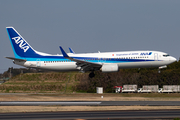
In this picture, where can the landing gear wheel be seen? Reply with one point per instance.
(91, 75)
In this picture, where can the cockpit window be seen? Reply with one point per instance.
(165, 55)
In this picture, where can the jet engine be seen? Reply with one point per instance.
(109, 68)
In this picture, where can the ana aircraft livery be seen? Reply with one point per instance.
(26, 56)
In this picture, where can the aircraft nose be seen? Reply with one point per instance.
(173, 59)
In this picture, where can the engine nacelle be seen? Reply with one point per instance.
(109, 68)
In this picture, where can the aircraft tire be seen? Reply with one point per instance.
(91, 75)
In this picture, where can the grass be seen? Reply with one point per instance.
(60, 82)
(7, 109)
(41, 82)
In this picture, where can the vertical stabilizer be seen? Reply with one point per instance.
(20, 47)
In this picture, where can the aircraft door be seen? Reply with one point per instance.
(156, 56)
(38, 62)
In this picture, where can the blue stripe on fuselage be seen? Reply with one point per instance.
(89, 59)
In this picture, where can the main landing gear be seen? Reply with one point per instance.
(91, 75)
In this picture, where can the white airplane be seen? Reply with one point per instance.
(26, 56)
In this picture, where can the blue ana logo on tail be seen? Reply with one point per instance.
(146, 53)
(21, 43)
(20, 46)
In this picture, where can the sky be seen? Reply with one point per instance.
(91, 26)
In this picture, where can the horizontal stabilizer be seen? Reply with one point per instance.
(16, 59)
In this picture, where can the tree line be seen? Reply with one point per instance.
(11, 72)
(143, 76)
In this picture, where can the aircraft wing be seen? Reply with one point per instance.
(16, 59)
(82, 64)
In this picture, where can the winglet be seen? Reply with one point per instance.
(71, 50)
(63, 52)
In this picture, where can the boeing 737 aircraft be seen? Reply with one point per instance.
(26, 56)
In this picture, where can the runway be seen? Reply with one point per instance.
(90, 103)
(162, 114)
(122, 115)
